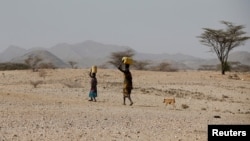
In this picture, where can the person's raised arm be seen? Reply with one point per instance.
(120, 67)
(90, 75)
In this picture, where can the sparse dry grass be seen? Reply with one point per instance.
(42, 73)
(72, 84)
(36, 83)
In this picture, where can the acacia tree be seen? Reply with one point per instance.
(33, 62)
(116, 57)
(72, 64)
(222, 41)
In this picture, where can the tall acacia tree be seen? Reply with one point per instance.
(222, 41)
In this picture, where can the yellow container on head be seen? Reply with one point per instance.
(94, 69)
(127, 60)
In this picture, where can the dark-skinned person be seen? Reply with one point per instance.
(93, 83)
(127, 83)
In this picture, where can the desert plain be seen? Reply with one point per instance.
(52, 105)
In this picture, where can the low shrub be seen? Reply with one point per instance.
(13, 66)
(36, 83)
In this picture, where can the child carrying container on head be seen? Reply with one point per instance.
(93, 82)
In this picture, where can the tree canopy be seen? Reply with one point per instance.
(222, 41)
(116, 57)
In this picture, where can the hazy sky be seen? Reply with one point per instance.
(149, 26)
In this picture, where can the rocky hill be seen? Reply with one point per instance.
(46, 57)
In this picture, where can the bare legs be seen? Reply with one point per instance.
(124, 100)
(92, 99)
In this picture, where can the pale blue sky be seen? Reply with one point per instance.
(149, 26)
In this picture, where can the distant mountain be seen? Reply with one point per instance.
(11, 52)
(89, 53)
(96, 50)
(89, 49)
(86, 53)
(65, 52)
(240, 56)
(46, 57)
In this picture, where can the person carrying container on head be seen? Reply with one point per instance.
(93, 82)
(127, 83)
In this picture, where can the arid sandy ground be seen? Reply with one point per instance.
(58, 108)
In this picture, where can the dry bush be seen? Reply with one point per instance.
(42, 73)
(225, 96)
(73, 64)
(184, 106)
(141, 65)
(33, 61)
(36, 83)
(204, 109)
(46, 66)
(238, 67)
(234, 76)
(13, 66)
(164, 66)
(207, 67)
(243, 68)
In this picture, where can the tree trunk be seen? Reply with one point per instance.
(223, 68)
(222, 71)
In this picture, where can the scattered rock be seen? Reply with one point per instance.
(217, 117)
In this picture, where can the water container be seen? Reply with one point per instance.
(94, 69)
(127, 60)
